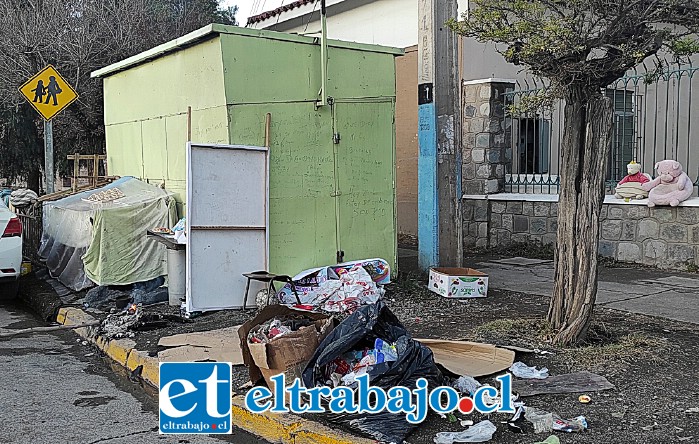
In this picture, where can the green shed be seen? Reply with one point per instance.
(332, 165)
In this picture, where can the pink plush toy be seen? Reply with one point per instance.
(671, 187)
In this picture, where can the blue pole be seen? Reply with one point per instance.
(428, 211)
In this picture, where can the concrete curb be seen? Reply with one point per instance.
(283, 429)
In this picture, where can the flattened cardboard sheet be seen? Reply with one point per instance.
(469, 358)
(221, 345)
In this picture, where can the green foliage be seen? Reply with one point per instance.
(583, 43)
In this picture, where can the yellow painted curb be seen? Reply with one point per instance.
(150, 365)
(276, 428)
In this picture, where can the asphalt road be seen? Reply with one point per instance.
(55, 390)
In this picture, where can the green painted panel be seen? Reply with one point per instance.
(366, 177)
(290, 71)
(264, 70)
(125, 158)
(179, 188)
(176, 137)
(210, 125)
(355, 74)
(154, 149)
(302, 208)
(167, 85)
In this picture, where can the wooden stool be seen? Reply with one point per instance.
(268, 278)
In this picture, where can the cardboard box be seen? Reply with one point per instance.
(287, 354)
(458, 282)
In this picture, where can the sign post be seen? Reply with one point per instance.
(48, 155)
(49, 94)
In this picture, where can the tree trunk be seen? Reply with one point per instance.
(34, 180)
(587, 138)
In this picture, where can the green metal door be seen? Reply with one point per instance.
(364, 151)
(302, 180)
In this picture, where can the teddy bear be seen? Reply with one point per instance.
(631, 186)
(671, 187)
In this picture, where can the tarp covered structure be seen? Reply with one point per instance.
(105, 243)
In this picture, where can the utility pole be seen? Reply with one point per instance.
(440, 231)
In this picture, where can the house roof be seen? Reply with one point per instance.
(213, 30)
(278, 11)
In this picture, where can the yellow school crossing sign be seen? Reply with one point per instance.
(48, 93)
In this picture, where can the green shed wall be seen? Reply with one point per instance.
(324, 197)
(145, 112)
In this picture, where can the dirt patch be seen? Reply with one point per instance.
(651, 361)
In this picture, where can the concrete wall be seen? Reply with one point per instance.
(406, 141)
(382, 22)
(664, 237)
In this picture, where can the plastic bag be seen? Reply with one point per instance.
(521, 370)
(414, 361)
(466, 385)
(553, 439)
(481, 432)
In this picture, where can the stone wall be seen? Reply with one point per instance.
(661, 236)
(486, 136)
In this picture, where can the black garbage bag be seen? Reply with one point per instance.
(414, 361)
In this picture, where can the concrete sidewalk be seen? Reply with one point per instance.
(671, 295)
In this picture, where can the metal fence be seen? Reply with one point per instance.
(32, 226)
(652, 121)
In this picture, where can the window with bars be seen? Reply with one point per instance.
(534, 145)
(623, 133)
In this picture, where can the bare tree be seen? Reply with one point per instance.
(582, 46)
(77, 37)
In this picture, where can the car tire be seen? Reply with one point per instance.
(9, 290)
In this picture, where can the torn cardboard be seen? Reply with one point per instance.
(288, 353)
(220, 345)
(469, 358)
(579, 382)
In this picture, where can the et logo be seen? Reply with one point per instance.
(195, 398)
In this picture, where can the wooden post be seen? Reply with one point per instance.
(268, 123)
(76, 170)
(95, 171)
(189, 124)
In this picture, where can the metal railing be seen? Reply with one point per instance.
(32, 227)
(653, 121)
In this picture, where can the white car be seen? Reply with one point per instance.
(10, 252)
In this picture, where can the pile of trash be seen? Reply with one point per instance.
(372, 341)
(276, 328)
(538, 381)
(339, 288)
(119, 296)
(121, 325)
(303, 338)
(132, 319)
(346, 368)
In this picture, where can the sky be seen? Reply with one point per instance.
(246, 8)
